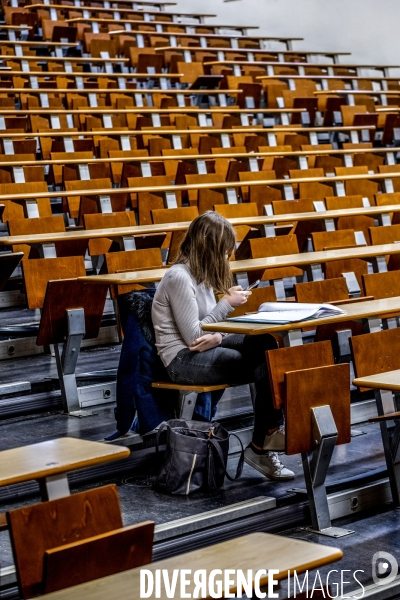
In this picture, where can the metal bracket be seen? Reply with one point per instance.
(66, 359)
(315, 465)
(54, 487)
(386, 403)
(314, 272)
(187, 403)
(292, 337)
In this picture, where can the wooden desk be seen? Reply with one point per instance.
(297, 64)
(120, 232)
(354, 311)
(255, 551)
(206, 36)
(382, 381)
(116, 10)
(256, 264)
(175, 188)
(168, 24)
(252, 51)
(49, 462)
(66, 59)
(2, 207)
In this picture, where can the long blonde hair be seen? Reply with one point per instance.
(206, 248)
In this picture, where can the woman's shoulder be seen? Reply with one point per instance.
(179, 272)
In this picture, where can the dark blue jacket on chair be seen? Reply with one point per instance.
(139, 366)
(140, 407)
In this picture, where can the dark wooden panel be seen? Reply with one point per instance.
(336, 268)
(283, 360)
(326, 290)
(309, 388)
(8, 263)
(375, 353)
(38, 272)
(258, 296)
(35, 529)
(322, 240)
(98, 556)
(382, 285)
(67, 294)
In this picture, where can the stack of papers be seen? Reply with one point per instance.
(289, 312)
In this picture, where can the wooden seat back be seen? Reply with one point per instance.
(326, 290)
(382, 285)
(40, 527)
(67, 294)
(39, 271)
(294, 358)
(258, 296)
(322, 240)
(310, 388)
(99, 556)
(361, 223)
(260, 194)
(16, 208)
(232, 211)
(275, 246)
(287, 207)
(54, 224)
(175, 215)
(375, 353)
(340, 202)
(132, 260)
(365, 187)
(105, 221)
(336, 268)
(385, 234)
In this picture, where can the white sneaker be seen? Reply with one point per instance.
(268, 464)
(275, 441)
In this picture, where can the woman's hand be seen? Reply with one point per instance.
(236, 295)
(206, 342)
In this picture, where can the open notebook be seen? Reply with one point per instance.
(289, 312)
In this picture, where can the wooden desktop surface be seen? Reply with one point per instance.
(53, 457)
(382, 381)
(82, 234)
(356, 310)
(254, 264)
(255, 551)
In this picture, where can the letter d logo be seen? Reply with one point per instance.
(384, 568)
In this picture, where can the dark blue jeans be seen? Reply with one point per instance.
(240, 359)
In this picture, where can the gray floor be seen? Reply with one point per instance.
(373, 533)
(140, 501)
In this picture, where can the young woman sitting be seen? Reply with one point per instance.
(184, 302)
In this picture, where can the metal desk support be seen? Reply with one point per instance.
(315, 465)
(54, 487)
(66, 355)
(386, 404)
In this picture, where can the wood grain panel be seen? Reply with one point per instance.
(38, 272)
(37, 528)
(283, 360)
(102, 555)
(310, 388)
(65, 295)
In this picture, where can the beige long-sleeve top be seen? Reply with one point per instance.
(180, 309)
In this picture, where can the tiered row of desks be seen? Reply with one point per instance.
(121, 122)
